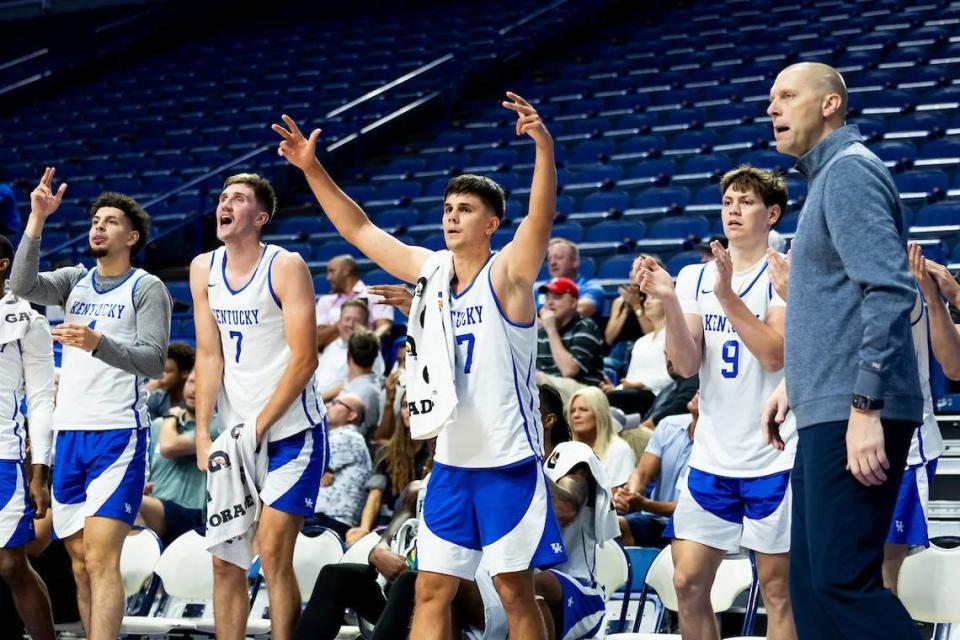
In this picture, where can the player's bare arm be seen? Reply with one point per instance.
(569, 494)
(513, 275)
(294, 288)
(684, 332)
(764, 338)
(944, 336)
(396, 258)
(209, 358)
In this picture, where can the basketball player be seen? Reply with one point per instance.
(256, 358)
(725, 320)
(26, 365)
(115, 333)
(487, 476)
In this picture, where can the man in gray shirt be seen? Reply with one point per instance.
(362, 351)
(851, 370)
(114, 336)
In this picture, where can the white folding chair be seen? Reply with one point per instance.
(310, 555)
(138, 559)
(359, 551)
(612, 571)
(928, 587)
(734, 576)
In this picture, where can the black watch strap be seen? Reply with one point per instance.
(865, 403)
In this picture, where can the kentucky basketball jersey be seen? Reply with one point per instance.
(927, 442)
(498, 416)
(93, 395)
(255, 349)
(733, 382)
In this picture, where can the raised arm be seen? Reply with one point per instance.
(684, 331)
(944, 337)
(763, 338)
(209, 357)
(523, 256)
(294, 289)
(394, 257)
(26, 280)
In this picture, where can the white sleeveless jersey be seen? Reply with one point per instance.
(927, 442)
(94, 396)
(497, 421)
(255, 349)
(733, 382)
(26, 361)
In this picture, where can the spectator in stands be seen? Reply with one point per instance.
(167, 392)
(569, 346)
(332, 366)
(672, 399)
(10, 223)
(175, 496)
(647, 374)
(627, 321)
(563, 261)
(363, 349)
(342, 494)
(590, 420)
(345, 284)
(395, 466)
(393, 392)
(664, 461)
(556, 429)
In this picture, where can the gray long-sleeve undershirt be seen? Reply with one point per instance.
(148, 354)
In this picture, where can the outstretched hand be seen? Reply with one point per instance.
(653, 280)
(528, 120)
(44, 200)
(298, 150)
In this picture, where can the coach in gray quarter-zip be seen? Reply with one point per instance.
(851, 370)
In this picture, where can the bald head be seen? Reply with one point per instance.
(808, 101)
(342, 273)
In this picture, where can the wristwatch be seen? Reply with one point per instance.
(866, 403)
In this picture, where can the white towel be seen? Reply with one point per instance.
(566, 456)
(235, 473)
(431, 355)
(16, 314)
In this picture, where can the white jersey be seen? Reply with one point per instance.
(255, 349)
(927, 442)
(497, 421)
(733, 382)
(93, 395)
(26, 369)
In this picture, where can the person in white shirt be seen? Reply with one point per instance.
(345, 284)
(591, 423)
(647, 374)
(26, 368)
(332, 366)
(725, 320)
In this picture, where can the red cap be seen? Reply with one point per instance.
(560, 286)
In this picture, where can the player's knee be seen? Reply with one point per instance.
(776, 593)
(691, 584)
(434, 590)
(275, 561)
(515, 594)
(98, 561)
(11, 564)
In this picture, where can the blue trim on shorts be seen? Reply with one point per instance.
(24, 530)
(299, 499)
(733, 499)
(578, 605)
(909, 524)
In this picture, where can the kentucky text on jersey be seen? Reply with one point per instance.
(469, 316)
(237, 317)
(101, 310)
(717, 322)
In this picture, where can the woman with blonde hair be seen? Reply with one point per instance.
(591, 423)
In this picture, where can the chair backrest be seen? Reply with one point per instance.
(359, 551)
(733, 578)
(612, 567)
(927, 585)
(310, 555)
(138, 559)
(186, 568)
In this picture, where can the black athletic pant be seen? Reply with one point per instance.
(354, 586)
(632, 400)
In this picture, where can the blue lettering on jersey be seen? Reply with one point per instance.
(100, 310)
(237, 317)
(469, 316)
(718, 323)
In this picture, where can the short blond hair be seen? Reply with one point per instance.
(600, 408)
(566, 243)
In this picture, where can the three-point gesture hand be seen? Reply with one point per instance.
(43, 200)
(299, 151)
(528, 120)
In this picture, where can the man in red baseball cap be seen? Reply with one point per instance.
(569, 346)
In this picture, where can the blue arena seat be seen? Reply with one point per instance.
(569, 230)
(615, 231)
(652, 169)
(605, 200)
(939, 214)
(921, 181)
(662, 197)
(680, 228)
(683, 259)
(616, 267)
